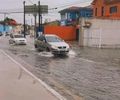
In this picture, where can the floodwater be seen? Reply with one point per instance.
(84, 74)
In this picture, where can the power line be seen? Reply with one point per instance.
(72, 3)
(30, 1)
(54, 10)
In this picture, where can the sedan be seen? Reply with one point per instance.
(17, 39)
(51, 43)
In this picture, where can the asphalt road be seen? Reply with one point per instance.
(85, 74)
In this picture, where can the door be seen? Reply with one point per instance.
(77, 34)
(41, 43)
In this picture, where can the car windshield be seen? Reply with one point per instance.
(53, 39)
(18, 36)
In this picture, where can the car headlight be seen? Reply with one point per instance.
(54, 47)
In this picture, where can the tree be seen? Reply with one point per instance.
(9, 21)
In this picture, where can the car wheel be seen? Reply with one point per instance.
(48, 49)
(35, 46)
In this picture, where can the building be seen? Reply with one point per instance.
(103, 30)
(71, 15)
(102, 33)
(5, 28)
(106, 8)
(7, 25)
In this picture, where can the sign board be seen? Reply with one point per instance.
(32, 9)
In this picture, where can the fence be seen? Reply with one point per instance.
(67, 33)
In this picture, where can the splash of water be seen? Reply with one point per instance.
(72, 53)
(45, 54)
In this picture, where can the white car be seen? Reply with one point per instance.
(51, 43)
(17, 39)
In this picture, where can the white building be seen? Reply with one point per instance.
(102, 33)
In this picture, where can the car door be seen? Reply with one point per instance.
(11, 41)
(41, 42)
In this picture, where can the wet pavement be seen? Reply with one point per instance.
(85, 74)
(17, 83)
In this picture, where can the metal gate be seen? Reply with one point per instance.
(92, 37)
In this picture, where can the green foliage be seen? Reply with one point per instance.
(7, 21)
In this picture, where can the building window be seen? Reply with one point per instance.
(113, 9)
(95, 11)
(102, 11)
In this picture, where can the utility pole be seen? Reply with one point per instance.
(42, 25)
(4, 21)
(35, 15)
(39, 12)
(81, 32)
(24, 20)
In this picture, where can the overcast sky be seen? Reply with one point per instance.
(17, 4)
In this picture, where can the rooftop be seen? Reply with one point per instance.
(107, 1)
(74, 9)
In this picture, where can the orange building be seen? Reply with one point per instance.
(106, 8)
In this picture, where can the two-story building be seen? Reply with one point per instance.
(70, 15)
(104, 30)
(106, 8)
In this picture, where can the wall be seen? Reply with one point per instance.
(113, 15)
(67, 33)
(103, 33)
(17, 29)
(86, 12)
(100, 3)
(7, 28)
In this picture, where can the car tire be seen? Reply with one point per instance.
(35, 46)
(48, 49)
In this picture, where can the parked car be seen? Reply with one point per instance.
(51, 43)
(17, 39)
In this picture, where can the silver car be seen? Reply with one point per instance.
(51, 43)
(17, 39)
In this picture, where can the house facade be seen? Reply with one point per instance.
(104, 29)
(5, 28)
(71, 15)
(103, 33)
(106, 8)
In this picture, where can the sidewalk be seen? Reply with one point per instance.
(16, 84)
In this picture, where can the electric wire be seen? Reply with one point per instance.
(72, 3)
(30, 1)
(51, 10)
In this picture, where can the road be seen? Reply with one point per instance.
(85, 74)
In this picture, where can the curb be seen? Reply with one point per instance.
(56, 94)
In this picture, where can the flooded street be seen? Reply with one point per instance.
(84, 74)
